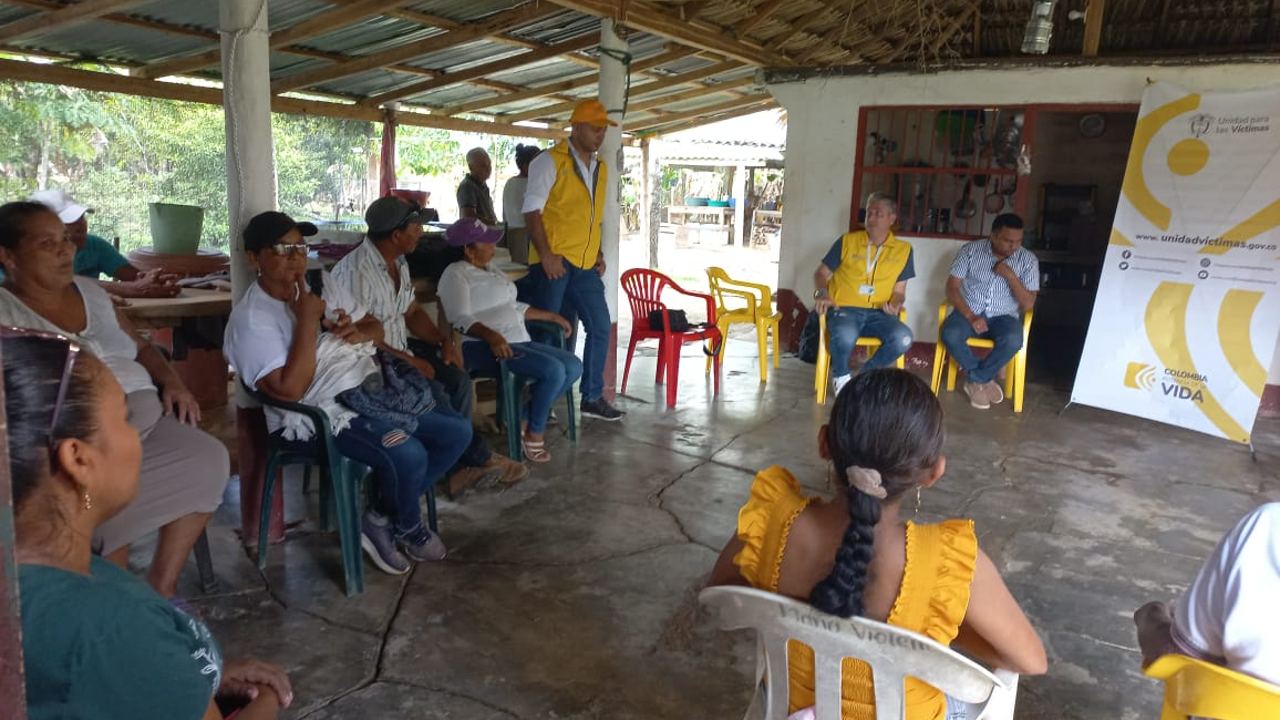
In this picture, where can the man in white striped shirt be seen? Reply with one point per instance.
(992, 282)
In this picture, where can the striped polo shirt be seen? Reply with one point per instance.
(363, 274)
(986, 293)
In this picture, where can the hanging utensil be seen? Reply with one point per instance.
(994, 200)
(966, 208)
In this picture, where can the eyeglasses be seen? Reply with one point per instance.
(283, 249)
(73, 350)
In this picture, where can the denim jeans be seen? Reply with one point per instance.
(456, 384)
(579, 292)
(552, 370)
(1004, 330)
(404, 464)
(846, 324)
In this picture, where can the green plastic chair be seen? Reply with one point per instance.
(510, 385)
(340, 480)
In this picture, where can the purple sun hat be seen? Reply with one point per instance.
(468, 231)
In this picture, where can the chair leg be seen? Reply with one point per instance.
(344, 475)
(570, 415)
(939, 358)
(952, 370)
(662, 366)
(673, 370)
(716, 379)
(1020, 381)
(204, 564)
(822, 377)
(626, 371)
(306, 479)
(264, 514)
(510, 411)
(762, 348)
(431, 509)
(776, 327)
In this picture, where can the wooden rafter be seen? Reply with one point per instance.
(667, 129)
(1094, 16)
(64, 16)
(753, 101)
(758, 15)
(111, 82)
(681, 79)
(305, 30)
(554, 111)
(480, 71)
(493, 25)
(694, 33)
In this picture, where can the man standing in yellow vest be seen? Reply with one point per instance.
(563, 210)
(861, 286)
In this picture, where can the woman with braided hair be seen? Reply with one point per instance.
(854, 555)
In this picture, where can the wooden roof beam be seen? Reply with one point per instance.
(62, 17)
(551, 111)
(492, 25)
(480, 71)
(682, 79)
(694, 33)
(752, 101)
(305, 30)
(698, 122)
(111, 82)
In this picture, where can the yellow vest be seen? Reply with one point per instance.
(847, 280)
(571, 218)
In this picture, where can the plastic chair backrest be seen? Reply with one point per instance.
(1197, 688)
(714, 277)
(893, 653)
(644, 292)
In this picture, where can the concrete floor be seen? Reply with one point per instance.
(573, 594)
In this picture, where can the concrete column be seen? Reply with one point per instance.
(613, 89)
(739, 196)
(251, 189)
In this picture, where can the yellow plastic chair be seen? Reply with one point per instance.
(1194, 688)
(1015, 373)
(757, 312)
(822, 373)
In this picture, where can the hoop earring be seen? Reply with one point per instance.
(919, 490)
(88, 503)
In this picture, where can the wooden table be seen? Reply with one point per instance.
(157, 313)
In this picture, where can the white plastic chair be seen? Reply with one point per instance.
(893, 653)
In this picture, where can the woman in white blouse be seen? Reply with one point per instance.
(480, 301)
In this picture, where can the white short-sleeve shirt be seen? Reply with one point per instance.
(473, 295)
(1226, 614)
(362, 274)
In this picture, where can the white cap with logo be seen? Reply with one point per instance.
(60, 202)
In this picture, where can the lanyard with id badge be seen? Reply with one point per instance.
(868, 288)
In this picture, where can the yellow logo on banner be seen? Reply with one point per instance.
(1139, 376)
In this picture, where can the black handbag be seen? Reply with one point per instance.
(677, 319)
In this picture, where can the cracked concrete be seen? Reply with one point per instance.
(573, 595)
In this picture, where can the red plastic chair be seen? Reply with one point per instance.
(644, 290)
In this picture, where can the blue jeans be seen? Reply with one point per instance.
(579, 292)
(404, 465)
(453, 388)
(552, 370)
(846, 324)
(1004, 330)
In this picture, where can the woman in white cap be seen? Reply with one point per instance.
(480, 301)
(184, 470)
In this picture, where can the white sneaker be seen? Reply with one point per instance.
(839, 383)
(995, 393)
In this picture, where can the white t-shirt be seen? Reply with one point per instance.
(362, 275)
(1226, 614)
(513, 201)
(472, 295)
(101, 336)
(259, 335)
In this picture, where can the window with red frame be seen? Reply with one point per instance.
(952, 170)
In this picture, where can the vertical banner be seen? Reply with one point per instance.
(1188, 307)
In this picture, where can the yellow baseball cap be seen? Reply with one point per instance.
(592, 112)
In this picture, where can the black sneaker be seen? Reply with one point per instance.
(600, 409)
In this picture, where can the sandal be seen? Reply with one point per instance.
(535, 451)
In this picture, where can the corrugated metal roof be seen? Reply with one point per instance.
(101, 40)
(372, 35)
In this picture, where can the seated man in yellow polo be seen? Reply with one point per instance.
(862, 284)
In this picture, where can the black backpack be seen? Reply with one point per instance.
(809, 339)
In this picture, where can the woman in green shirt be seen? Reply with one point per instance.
(97, 641)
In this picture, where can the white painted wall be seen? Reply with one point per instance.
(822, 128)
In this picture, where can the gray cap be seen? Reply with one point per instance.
(390, 213)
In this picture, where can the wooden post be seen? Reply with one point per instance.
(1093, 14)
(653, 167)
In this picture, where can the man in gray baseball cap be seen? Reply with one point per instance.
(377, 274)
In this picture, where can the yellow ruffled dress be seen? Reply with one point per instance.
(932, 600)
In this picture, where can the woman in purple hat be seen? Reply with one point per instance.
(480, 301)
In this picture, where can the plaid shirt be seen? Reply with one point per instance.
(986, 293)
